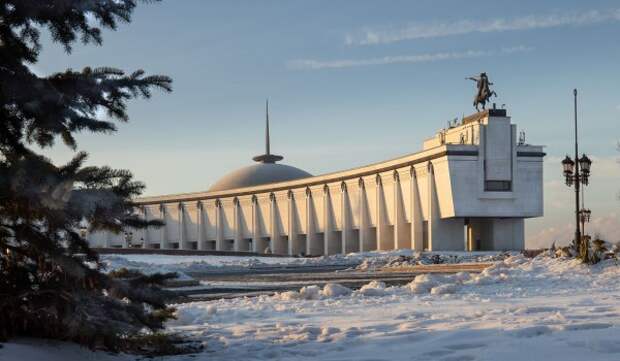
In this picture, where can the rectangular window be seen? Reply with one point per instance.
(497, 186)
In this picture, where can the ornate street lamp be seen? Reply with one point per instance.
(569, 168)
(584, 165)
(576, 172)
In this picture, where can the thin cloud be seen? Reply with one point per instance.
(461, 27)
(312, 64)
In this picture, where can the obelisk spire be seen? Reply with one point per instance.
(267, 150)
(267, 157)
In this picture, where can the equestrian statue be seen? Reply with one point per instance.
(484, 92)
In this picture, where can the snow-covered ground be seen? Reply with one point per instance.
(519, 309)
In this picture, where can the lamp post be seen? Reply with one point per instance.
(584, 217)
(128, 239)
(576, 173)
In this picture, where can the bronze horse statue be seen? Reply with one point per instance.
(484, 92)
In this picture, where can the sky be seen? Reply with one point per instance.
(356, 82)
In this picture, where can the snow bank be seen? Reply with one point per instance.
(447, 288)
(411, 258)
(374, 288)
(335, 290)
(516, 304)
(552, 308)
(313, 292)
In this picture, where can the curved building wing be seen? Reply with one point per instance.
(471, 187)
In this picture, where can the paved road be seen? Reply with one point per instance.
(255, 284)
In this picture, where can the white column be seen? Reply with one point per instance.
(255, 226)
(311, 239)
(399, 215)
(200, 225)
(346, 220)
(433, 210)
(326, 221)
(381, 243)
(293, 246)
(163, 241)
(363, 238)
(237, 211)
(272, 222)
(278, 246)
(181, 222)
(219, 226)
(417, 243)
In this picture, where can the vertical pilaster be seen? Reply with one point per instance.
(255, 226)
(363, 230)
(417, 234)
(275, 234)
(345, 221)
(219, 226)
(326, 220)
(399, 215)
(163, 241)
(311, 238)
(200, 216)
(381, 242)
(237, 211)
(433, 210)
(181, 224)
(292, 246)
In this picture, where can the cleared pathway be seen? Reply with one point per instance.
(250, 284)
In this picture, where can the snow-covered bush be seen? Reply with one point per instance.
(335, 290)
(310, 292)
(374, 288)
(447, 288)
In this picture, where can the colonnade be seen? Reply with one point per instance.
(381, 211)
(471, 187)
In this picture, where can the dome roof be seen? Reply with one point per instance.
(258, 174)
(265, 172)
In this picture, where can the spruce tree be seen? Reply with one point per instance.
(51, 283)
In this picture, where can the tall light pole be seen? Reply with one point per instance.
(576, 173)
(577, 183)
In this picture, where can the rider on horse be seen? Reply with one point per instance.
(484, 92)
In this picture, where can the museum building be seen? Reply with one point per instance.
(471, 187)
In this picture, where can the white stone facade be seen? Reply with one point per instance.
(470, 188)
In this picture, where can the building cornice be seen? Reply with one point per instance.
(453, 150)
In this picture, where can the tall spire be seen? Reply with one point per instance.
(267, 150)
(267, 157)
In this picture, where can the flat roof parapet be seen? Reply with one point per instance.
(483, 114)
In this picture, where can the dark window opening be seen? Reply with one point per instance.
(498, 186)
